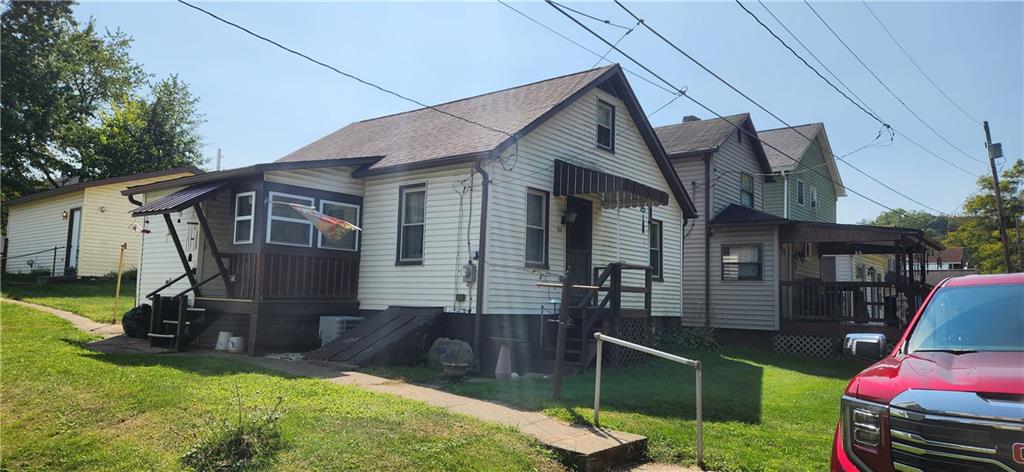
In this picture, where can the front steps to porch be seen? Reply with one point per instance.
(392, 335)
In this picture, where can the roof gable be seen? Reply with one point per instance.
(691, 138)
(108, 181)
(788, 146)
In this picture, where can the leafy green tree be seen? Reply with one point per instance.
(979, 233)
(935, 226)
(149, 133)
(57, 76)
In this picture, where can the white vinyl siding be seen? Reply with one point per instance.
(745, 304)
(38, 226)
(569, 135)
(733, 159)
(436, 281)
(691, 173)
(331, 179)
(159, 262)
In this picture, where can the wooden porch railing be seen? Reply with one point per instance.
(858, 302)
(275, 276)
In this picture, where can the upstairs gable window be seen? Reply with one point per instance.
(747, 190)
(814, 198)
(800, 192)
(605, 125)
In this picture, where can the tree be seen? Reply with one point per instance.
(57, 75)
(935, 226)
(980, 231)
(146, 134)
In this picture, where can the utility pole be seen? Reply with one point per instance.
(218, 158)
(996, 151)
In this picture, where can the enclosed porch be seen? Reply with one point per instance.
(249, 262)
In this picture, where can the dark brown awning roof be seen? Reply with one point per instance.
(179, 200)
(614, 191)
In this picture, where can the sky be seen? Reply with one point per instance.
(261, 103)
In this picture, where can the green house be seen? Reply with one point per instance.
(807, 184)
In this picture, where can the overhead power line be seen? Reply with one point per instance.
(766, 110)
(339, 71)
(887, 88)
(754, 136)
(818, 73)
(918, 66)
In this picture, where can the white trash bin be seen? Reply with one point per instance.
(236, 344)
(223, 338)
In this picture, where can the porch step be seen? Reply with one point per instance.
(161, 336)
(379, 336)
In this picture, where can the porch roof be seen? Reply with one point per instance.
(614, 191)
(179, 200)
(835, 238)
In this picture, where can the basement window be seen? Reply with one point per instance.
(243, 217)
(741, 262)
(605, 125)
(285, 225)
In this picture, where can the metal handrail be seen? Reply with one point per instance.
(194, 287)
(168, 284)
(601, 338)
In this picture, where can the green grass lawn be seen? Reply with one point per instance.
(762, 411)
(93, 299)
(68, 408)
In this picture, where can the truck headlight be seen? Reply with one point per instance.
(864, 435)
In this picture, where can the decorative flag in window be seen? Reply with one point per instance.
(333, 228)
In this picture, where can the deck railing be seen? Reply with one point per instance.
(858, 302)
(276, 276)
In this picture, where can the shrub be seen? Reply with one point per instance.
(248, 441)
(687, 339)
(130, 274)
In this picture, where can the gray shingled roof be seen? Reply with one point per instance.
(790, 142)
(425, 134)
(697, 136)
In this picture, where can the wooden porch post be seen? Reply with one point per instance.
(205, 225)
(181, 251)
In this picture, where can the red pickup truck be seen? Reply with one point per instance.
(950, 395)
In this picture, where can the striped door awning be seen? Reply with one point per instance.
(613, 191)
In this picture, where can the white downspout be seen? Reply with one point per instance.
(785, 196)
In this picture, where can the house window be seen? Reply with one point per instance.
(741, 262)
(285, 225)
(536, 228)
(800, 192)
(243, 217)
(411, 223)
(605, 125)
(747, 190)
(657, 249)
(343, 211)
(814, 198)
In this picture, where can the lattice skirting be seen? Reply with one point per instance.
(638, 331)
(816, 346)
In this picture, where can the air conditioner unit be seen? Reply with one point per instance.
(333, 326)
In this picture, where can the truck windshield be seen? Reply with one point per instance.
(974, 318)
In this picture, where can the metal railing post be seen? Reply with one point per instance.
(597, 385)
(53, 267)
(700, 420)
(664, 355)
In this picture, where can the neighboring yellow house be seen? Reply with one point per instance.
(78, 229)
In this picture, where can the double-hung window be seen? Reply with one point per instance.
(747, 190)
(800, 192)
(411, 223)
(285, 225)
(605, 125)
(741, 262)
(244, 210)
(536, 228)
(814, 198)
(342, 211)
(657, 249)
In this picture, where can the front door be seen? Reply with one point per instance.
(71, 247)
(579, 238)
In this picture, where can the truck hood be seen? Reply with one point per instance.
(981, 372)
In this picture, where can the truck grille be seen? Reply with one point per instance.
(943, 443)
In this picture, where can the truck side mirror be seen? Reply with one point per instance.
(865, 345)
